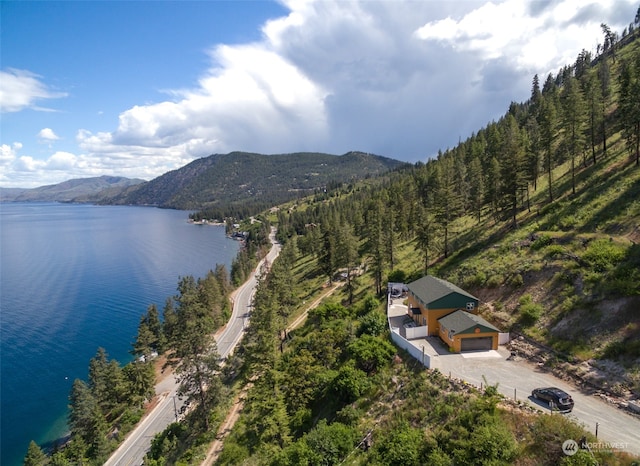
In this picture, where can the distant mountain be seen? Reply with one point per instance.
(76, 190)
(241, 180)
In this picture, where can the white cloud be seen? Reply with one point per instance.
(401, 79)
(47, 135)
(251, 98)
(8, 154)
(21, 89)
(539, 41)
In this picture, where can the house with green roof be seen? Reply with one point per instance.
(430, 299)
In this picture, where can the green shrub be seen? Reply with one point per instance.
(568, 222)
(330, 443)
(232, 453)
(629, 348)
(479, 278)
(530, 312)
(494, 281)
(350, 383)
(349, 416)
(371, 353)
(516, 281)
(369, 303)
(374, 323)
(399, 446)
(625, 281)
(602, 255)
(553, 251)
(397, 276)
(541, 242)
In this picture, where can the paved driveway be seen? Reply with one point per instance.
(516, 379)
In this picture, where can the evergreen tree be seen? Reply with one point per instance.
(106, 381)
(629, 105)
(328, 258)
(533, 151)
(375, 247)
(267, 419)
(155, 326)
(86, 420)
(604, 76)
(347, 255)
(536, 94)
(476, 187)
(280, 282)
(145, 341)
(547, 136)
(35, 456)
(493, 186)
(426, 230)
(573, 111)
(140, 378)
(261, 338)
(447, 198)
(193, 345)
(512, 166)
(593, 101)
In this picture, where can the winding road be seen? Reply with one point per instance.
(168, 406)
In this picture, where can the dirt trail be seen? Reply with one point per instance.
(238, 403)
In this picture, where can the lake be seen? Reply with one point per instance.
(74, 278)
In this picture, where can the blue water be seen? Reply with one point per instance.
(74, 278)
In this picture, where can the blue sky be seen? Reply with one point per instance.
(138, 88)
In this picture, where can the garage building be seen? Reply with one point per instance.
(464, 331)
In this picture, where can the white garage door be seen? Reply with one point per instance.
(477, 344)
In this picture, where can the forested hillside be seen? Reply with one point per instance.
(241, 184)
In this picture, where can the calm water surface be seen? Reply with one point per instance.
(74, 278)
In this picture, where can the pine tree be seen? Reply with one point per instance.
(547, 137)
(35, 456)
(604, 75)
(155, 326)
(573, 110)
(347, 254)
(193, 345)
(86, 420)
(512, 165)
(375, 240)
(447, 199)
(476, 187)
(629, 99)
(593, 102)
(145, 340)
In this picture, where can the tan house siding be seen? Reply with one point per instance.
(430, 316)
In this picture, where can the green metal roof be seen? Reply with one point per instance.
(430, 290)
(464, 322)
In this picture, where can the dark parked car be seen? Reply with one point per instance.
(557, 399)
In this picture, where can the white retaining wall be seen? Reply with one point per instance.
(405, 344)
(503, 338)
(416, 332)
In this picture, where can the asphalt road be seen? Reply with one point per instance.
(166, 411)
(516, 379)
